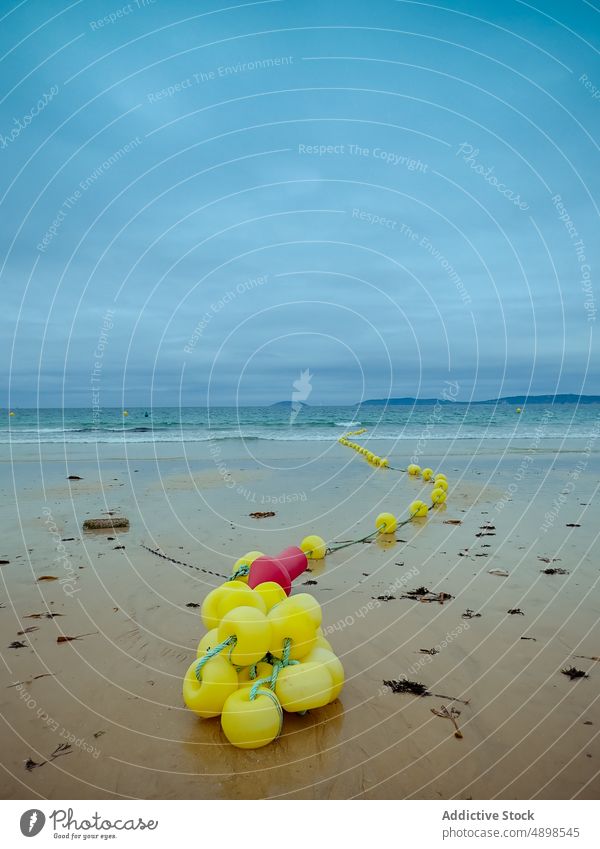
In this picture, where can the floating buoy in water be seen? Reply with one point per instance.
(413, 469)
(438, 496)
(417, 509)
(427, 474)
(250, 723)
(314, 547)
(206, 697)
(441, 483)
(518, 410)
(11, 413)
(386, 523)
(125, 413)
(440, 476)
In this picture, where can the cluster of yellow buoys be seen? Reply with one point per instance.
(356, 432)
(368, 455)
(263, 653)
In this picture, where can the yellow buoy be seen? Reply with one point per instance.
(312, 607)
(333, 665)
(208, 611)
(291, 621)
(438, 496)
(427, 474)
(272, 593)
(251, 723)
(247, 560)
(441, 483)
(417, 509)
(384, 462)
(252, 631)
(322, 643)
(11, 413)
(314, 547)
(125, 413)
(440, 476)
(235, 594)
(208, 641)
(414, 470)
(386, 523)
(519, 410)
(218, 680)
(304, 686)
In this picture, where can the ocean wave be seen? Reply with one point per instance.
(146, 437)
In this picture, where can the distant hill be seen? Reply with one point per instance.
(519, 400)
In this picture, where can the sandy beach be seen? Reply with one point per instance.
(113, 697)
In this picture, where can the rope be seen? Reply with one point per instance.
(212, 653)
(277, 666)
(331, 548)
(239, 573)
(183, 563)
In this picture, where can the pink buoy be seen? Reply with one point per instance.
(269, 569)
(294, 560)
(283, 569)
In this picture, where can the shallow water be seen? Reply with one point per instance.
(280, 423)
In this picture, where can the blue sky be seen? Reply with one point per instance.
(200, 200)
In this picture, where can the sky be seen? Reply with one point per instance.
(201, 201)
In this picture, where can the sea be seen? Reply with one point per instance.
(286, 423)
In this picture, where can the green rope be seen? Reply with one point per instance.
(332, 548)
(277, 666)
(213, 653)
(239, 573)
(257, 685)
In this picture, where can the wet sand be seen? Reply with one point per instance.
(115, 696)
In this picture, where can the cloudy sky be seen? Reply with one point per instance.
(200, 200)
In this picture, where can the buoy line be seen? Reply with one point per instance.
(264, 652)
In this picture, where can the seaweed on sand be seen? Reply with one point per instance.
(426, 595)
(574, 673)
(415, 688)
(405, 686)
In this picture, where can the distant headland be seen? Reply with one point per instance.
(516, 400)
(520, 400)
